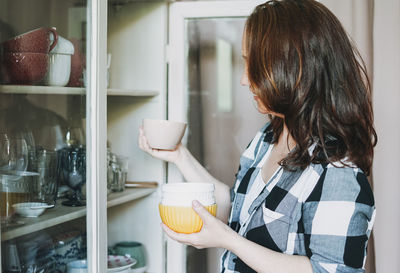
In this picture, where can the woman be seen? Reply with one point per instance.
(301, 201)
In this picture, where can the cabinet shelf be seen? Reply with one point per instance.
(60, 214)
(57, 90)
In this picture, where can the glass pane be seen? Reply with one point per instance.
(42, 134)
(221, 116)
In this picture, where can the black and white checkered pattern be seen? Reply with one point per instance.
(324, 212)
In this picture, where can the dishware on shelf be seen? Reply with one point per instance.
(24, 67)
(72, 172)
(75, 136)
(31, 209)
(131, 249)
(36, 252)
(30, 142)
(16, 187)
(78, 266)
(37, 40)
(77, 65)
(114, 174)
(123, 162)
(68, 246)
(47, 166)
(117, 171)
(110, 173)
(120, 263)
(10, 257)
(176, 205)
(13, 153)
(119, 168)
(163, 134)
(59, 63)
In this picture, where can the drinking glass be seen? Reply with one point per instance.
(13, 154)
(47, 180)
(72, 170)
(4, 152)
(74, 136)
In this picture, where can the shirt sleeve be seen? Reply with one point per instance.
(338, 217)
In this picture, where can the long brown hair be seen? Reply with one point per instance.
(302, 64)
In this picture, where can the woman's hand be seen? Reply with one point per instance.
(214, 233)
(166, 155)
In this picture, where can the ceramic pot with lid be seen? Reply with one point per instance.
(34, 41)
(59, 63)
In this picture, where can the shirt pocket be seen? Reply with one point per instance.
(271, 216)
(277, 228)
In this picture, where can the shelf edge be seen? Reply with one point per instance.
(58, 90)
(114, 200)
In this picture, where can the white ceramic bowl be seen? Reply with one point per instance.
(30, 209)
(163, 134)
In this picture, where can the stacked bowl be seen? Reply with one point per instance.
(176, 205)
(25, 57)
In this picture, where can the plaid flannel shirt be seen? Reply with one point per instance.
(323, 212)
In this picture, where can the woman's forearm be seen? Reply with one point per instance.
(264, 260)
(193, 171)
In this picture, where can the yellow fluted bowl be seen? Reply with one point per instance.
(183, 219)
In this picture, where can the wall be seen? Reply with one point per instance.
(375, 27)
(386, 101)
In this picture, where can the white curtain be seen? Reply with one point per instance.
(386, 99)
(375, 27)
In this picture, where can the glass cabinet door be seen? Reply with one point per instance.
(219, 109)
(204, 90)
(46, 91)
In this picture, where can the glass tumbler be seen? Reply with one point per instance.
(119, 170)
(123, 163)
(47, 166)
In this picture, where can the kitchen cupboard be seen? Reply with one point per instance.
(136, 67)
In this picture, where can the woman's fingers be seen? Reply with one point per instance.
(179, 237)
(206, 237)
(141, 138)
(167, 155)
(143, 144)
(204, 214)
